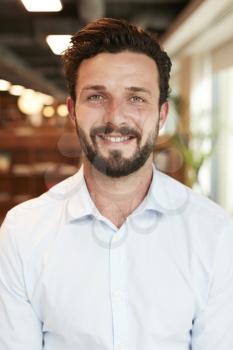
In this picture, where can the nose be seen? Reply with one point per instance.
(116, 113)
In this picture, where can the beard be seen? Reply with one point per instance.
(115, 165)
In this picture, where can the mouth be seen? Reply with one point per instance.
(116, 139)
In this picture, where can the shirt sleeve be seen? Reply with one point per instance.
(213, 328)
(20, 328)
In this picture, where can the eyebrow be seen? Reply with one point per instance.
(103, 88)
(94, 87)
(138, 89)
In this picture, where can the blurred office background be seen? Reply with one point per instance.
(38, 146)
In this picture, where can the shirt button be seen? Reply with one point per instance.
(115, 237)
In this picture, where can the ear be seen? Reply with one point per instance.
(163, 114)
(71, 108)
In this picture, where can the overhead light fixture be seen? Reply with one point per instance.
(4, 85)
(48, 112)
(58, 43)
(30, 102)
(42, 5)
(46, 99)
(16, 90)
(62, 110)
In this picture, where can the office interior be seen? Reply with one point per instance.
(38, 144)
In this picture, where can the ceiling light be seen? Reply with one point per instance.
(58, 43)
(42, 5)
(4, 85)
(16, 90)
(30, 102)
(46, 99)
(48, 112)
(62, 110)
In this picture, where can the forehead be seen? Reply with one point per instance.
(118, 68)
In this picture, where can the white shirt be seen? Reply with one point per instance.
(70, 280)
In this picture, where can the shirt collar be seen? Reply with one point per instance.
(79, 202)
(165, 196)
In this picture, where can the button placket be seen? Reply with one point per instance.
(118, 271)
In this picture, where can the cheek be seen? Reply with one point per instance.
(146, 116)
(150, 122)
(88, 117)
(149, 128)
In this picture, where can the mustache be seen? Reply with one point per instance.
(110, 128)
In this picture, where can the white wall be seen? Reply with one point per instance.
(224, 159)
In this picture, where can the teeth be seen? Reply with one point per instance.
(116, 139)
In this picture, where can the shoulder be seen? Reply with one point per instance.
(195, 216)
(196, 204)
(201, 230)
(37, 215)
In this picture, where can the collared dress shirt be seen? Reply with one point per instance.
(71, 280)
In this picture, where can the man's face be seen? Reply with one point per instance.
(116, 111)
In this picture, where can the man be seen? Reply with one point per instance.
(119, 256)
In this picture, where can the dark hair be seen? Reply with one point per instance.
(113, 36)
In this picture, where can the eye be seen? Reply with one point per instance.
(95, 97)
(137, 99)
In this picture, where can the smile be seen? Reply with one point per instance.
(116, 139)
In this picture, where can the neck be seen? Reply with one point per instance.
(117, 198)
